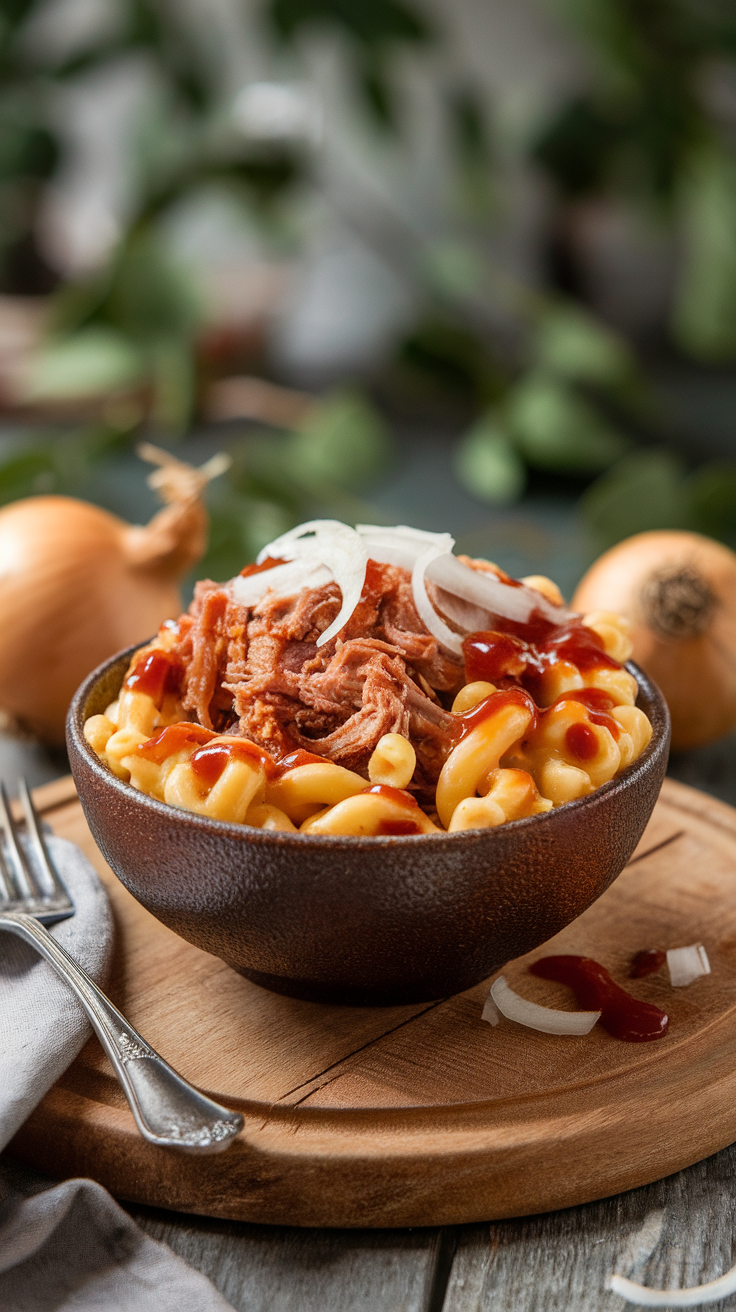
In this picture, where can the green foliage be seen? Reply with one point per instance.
(93, 362)
(556, 429)
(653, 489)
(576, 346)
(488, 464)
(704, 321)
(374, 30)
(342, 441)
(64, 464)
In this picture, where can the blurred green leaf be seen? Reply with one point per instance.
(645, 490)
(704, 319)
(488, 465)
(574, 345)
(453, 269)
(558, 430)
(343, 441)
(92, 362)
(60, 463)
(240, 524)
(712, 490)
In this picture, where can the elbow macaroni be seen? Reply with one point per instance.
(511, 760)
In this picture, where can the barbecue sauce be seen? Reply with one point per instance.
(209, 761)
(623, 1016)
(646, 962)
(398, 827)
(526, 651)
(155, 674)
(171, 740)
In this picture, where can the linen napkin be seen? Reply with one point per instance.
(70, 1248)
(42, 1026)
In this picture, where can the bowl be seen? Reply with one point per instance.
(363, 920)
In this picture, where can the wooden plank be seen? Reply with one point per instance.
(669, 1235)
(424, 1115)
(284, 1269)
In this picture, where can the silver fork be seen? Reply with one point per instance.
(167, 1110)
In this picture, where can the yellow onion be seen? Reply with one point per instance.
(678, 591)
(77, 584)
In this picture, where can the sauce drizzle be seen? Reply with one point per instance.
(646, 962)
(623, 1016)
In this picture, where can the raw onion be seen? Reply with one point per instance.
(678, 591)
(713, 1292)
(328, 543)
(547, 1019)
(344, 552)
(687, 964)
(77, 584)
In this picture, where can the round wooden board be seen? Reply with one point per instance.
(420, 1115)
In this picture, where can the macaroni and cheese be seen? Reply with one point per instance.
(241, 711)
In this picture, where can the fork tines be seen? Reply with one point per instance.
(28, 880)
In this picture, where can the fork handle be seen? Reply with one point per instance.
(168, 1111)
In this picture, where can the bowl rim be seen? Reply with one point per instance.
(248, 833)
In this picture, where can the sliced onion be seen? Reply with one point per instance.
(400, 545)
(284, 580)
(437, 627)
(344, 553)
(325, 543)
(490, 1011)
(282, 547)
(687, 964)
(490, 592)
(713, 1292)
(547, 1019)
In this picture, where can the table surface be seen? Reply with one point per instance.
(678, 1231)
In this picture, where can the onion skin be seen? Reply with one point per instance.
(696, 669)
(77, 584)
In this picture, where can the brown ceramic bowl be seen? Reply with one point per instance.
(363, 920)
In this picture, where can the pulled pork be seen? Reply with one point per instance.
(258, 672)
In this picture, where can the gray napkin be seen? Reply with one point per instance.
(70, 1248)
(42, 1026)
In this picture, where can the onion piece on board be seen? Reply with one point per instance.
(547, 1019)
(687, 964)
(490, 1011)
(696, 1295)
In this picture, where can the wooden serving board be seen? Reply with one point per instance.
(424, 1114)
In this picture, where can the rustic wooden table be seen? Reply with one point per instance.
(679, 1231)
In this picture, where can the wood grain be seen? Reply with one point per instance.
(421, 1115)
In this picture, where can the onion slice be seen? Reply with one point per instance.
(713, 1292)
(344, 552)
(490, 1011)
(445, 636)
(329, 544)
(547, 1019)
(687, 964)
(512, 601)
(284, 580)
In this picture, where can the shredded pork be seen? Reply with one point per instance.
(258, 672)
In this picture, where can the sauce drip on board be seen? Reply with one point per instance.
(646, 962)
(623, 1016)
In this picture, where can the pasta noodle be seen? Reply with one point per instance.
(242, 711)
